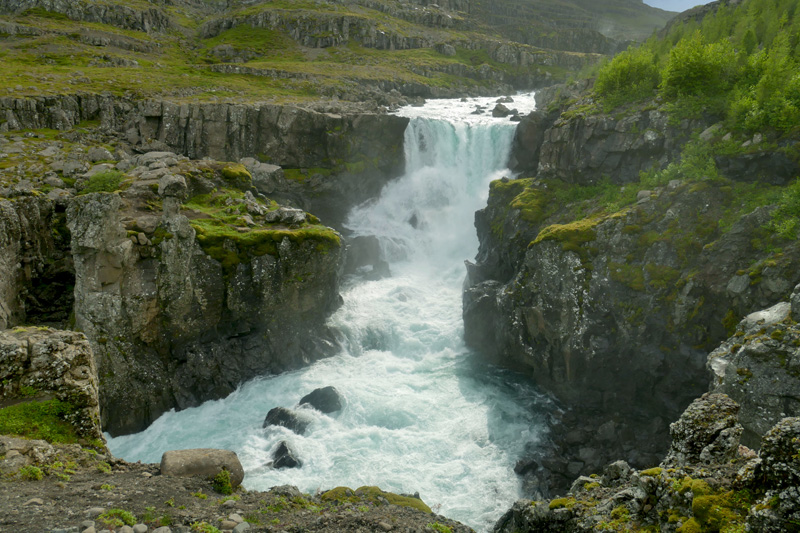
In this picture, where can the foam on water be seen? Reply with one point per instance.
(421, 414)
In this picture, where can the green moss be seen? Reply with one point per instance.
(591, 486)
(730, 321)
(661, 276)
(160, 235)
(652, 472)
(340, 494)
(39, 420)
(440, 528)
(562, 503)
(627, 274)
(236, 173)
(715, 512)
(690, 526)
(575, 233)
(372, 494)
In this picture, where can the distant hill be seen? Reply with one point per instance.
(300, 49)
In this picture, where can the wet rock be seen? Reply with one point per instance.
(500, 111)
(280, 416)
(326, 400)
(285, 457)
(207, 462)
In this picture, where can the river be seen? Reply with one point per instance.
(422, 413)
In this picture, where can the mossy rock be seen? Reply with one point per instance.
(236, 173)
(375, 496)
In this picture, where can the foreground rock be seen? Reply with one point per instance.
(708, 482)
(54, 368)
(77, 486)
(204, 462)
(759, 367)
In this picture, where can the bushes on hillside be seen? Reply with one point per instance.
(631, 76)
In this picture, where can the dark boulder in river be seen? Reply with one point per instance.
(325, 399)
(280, 416)
(285, 457)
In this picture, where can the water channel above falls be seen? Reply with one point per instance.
(421, 414)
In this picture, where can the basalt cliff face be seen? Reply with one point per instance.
(614, 307)
(187, 280)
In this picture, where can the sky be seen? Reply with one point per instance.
(675, 5)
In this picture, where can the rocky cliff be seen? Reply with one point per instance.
(609, 292)
(187, 280)
(707, 482)
(759, 367)
(187, 284)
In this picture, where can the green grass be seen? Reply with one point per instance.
(39, 420)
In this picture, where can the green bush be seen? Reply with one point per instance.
(106, 181)
(222, 482)
(117, 518)
(697, 69)
(31, 473)
(631, 76)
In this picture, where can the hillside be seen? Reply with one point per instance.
(302, 50)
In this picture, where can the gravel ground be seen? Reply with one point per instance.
(80, 489)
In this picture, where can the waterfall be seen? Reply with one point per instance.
(421, 414)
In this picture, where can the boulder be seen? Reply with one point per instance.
(206, 462)
(285, 457)
(500, 111)
(707, 431)
(326, 399)
(280, 416)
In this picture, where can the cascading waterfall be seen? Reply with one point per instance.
(421, 414)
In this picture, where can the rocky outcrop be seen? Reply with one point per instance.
(706, 483)
(615, 314)
(586, 148)
(759, 367)
(42, 364)
(37, 279)
(184, 301)
(147, 20)
(334, 161)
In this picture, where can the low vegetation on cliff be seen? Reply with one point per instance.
(297, 50)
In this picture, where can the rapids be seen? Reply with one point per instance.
(421, 414)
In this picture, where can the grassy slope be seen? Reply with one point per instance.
(65, 56)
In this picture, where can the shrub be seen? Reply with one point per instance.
(631, 76)
(31, 473)
(106, 181)
(117, 518)
(697, 69)
(222, 482)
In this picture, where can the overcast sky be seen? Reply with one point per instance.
(675, 5)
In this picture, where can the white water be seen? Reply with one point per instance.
(420, 414)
